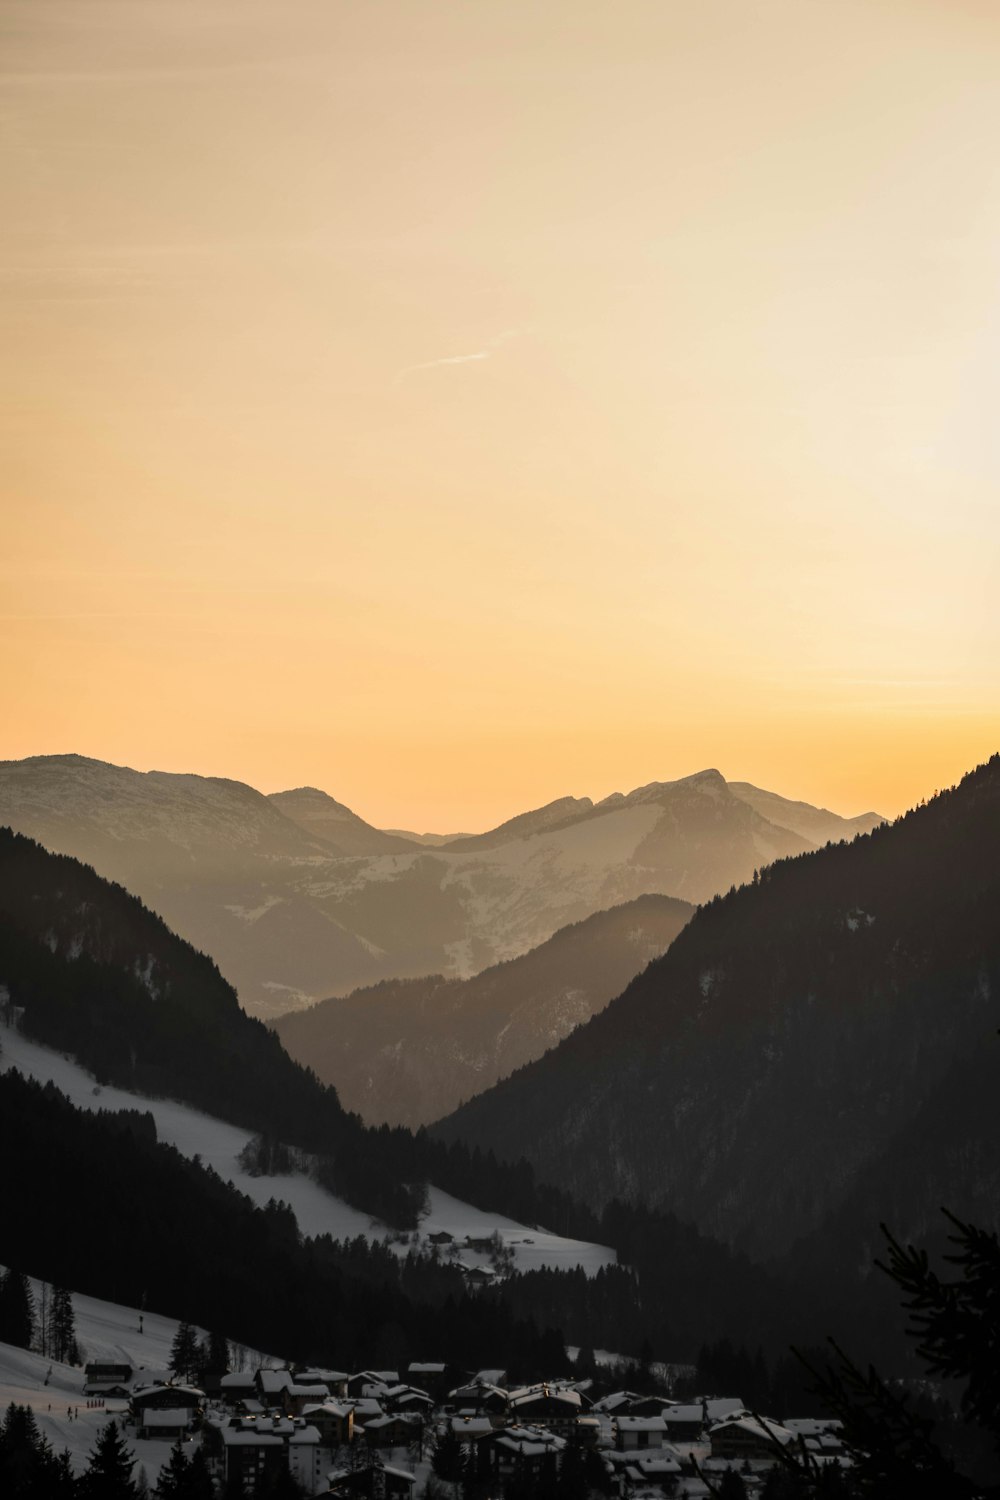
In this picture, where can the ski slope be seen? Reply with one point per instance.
(104, 1331)
(318, 1212)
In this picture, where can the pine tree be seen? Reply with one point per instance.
(572, 1481)
(175, 1472)
(62, 1328)
(17, 1310)
(214, 1354)
(199, 1481)
(448, 1458)
(185, 1353)
(109, 1473)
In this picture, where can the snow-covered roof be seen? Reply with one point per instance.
(236, 1437)
(307, 1434)
(273, 1382)
(528, 1394)
(476, 1390)
(538, 1439)
(190, 1392)
(239, 1380)
(328, 1409)
(663, 1463)
(683, 1414)
(367, 1408)
(762, 1427)
(471, 1426)
(616, 1399)
(641, 1424)
(717, 1407)
(812, 1426)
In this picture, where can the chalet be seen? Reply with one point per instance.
(355, 1383)
(683, 1424)
(272, 1384)
(618, 1401)
(300, 1394)
(649, 1406)
(587, 1432)
(482, 1244)
(105, 1379)
(639, 1432)
(819, 1434)
(520, 1452)
(238, 1385)
(430, 1377)
(394, 1430)
(470, 1429)
(159, 1397)
(333, 1420)
(479, 1398)
(660, 1471)
(288, 1393)
(440, 1237)
(366, 1410)
(477, 1276)
(167, 1422)
(334, 1380)
(722, 1409)
(377, 1482)
(546, 1406)
(405, 1398)
(749, 1438)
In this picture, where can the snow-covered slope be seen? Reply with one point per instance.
(105, 1331)
(317, 1211)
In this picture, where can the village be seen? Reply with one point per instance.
(426, 1429)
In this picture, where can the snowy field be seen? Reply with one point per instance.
(317, 1211)
(54, 1392)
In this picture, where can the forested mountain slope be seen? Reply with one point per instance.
(794, 1037)
(407, 1051)
(87, 969)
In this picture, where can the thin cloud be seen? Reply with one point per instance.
(476, 357)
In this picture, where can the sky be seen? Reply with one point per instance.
(457, 404)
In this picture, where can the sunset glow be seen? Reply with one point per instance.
(457, 406)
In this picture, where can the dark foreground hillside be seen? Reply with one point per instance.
(815, 1052)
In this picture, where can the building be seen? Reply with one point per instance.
(552, 1407)
(750, 1438)
(639, 1432)
(106, 1379)
(683, 1424)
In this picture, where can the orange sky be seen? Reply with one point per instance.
(457, 404)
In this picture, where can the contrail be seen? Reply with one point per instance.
(460, 359)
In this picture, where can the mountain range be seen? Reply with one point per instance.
(297, 898)
(408, 1051)
(815, 1052)
(88, 973)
